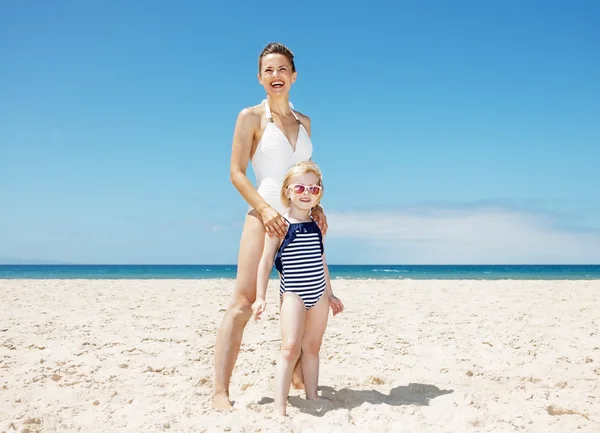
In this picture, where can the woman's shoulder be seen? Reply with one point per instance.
(304, 119)
(253, 113)
(302, 116)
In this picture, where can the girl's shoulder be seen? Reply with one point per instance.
(294, 222)
(303, 227)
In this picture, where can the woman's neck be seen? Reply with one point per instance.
(279, 105)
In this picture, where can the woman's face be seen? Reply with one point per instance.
(276, 74)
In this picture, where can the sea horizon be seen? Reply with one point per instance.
(337, 271)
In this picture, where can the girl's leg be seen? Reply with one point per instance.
(229, 336)
(292, 318)
(297, 377)
(316, 322)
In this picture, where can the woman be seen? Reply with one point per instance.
(274, 137)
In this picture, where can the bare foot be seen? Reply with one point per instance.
(280, 412)
(297, 383)
(221, 401)
(318, 399)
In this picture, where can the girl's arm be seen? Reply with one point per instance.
(335, 303)
(265, 266)
(264, 270)
(329, 289)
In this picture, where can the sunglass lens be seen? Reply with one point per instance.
(299, 189)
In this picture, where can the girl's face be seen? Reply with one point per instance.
(276, 74)
(304, 191)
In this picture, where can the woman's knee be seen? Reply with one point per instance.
(240, 310)
(290, 350)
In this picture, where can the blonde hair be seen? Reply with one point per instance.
(301, 167)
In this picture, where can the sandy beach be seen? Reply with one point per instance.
(406, 356)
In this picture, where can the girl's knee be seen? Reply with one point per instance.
(311, 346)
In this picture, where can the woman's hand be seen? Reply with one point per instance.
(275, 224)
(319, 216)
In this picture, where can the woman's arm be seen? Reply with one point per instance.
(243, 137)
(318, 215)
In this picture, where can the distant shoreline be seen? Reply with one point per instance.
(26, 263)
(348, 272)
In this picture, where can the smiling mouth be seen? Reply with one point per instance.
(277, 84)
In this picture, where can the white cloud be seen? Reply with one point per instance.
(474, 235)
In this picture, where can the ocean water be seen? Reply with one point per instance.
(480, 272)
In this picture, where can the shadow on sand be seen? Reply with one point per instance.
(345, 398)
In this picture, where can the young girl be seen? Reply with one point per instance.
(305, 288)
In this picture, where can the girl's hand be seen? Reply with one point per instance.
(258, 308)
(319, 216)
(336, 305)
(275, 224)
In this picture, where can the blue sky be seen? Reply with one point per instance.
(448, 132)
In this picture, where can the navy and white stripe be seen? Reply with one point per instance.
(300, 263)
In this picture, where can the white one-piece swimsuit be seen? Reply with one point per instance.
(274, 156)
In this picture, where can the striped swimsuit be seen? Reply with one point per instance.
(299, 261)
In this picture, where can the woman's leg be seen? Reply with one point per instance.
(316, 322)
(291, 319)
(229, 336)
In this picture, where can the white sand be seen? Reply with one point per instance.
(406, 356)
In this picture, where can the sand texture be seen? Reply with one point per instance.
(406, 356)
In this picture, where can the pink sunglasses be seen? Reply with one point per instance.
(299, 188)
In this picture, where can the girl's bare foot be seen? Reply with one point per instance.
(280, 412)
(221, 401)
(318, 399)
